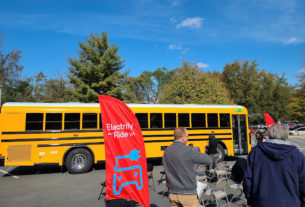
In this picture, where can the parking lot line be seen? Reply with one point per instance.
(6, 173)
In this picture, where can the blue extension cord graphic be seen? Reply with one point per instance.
(133, 156)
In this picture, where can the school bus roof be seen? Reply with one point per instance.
(75, 104)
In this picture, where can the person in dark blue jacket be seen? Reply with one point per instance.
(275, 172)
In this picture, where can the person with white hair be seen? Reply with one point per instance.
(275, 172)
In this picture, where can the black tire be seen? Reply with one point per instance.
(78, 161)
(221, 152)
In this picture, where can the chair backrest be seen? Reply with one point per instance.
(237, 172)
(221, 165)
(150, 167)
(201, 187)
(221, 184)
(201, 168)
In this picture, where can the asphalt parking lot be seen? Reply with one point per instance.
(48, 186)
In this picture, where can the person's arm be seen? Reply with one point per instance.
(302, 181)
(247, 181)
(198, 157)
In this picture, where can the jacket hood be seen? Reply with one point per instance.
(277, 150)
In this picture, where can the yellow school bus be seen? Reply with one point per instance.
(71, 134)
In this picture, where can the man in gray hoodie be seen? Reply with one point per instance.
(178, 162)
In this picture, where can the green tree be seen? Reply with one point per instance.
(96, 70)
(241, 80)
(296, 107)
(134, 89)
(9, 68)
(57, 90)
(257, 90)
(190, 85)
(160, 76)
(145, 88)
(17, 91)
(38, 86)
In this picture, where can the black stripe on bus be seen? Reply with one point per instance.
(49, 139)
(70, 144)
(99, 143)
(150, 141)
(99, 137)
(53, 132)
(190, 135)
(171, 129)
(100, 130)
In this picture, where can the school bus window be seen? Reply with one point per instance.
(183, 120)
(89, 121)
(169, 120)
(212, 120)
(224, 120)
(101, 124)
(72, 121)
(155, 120)
(198, 120)
(53, 121)
(34, 121)
(142, 119)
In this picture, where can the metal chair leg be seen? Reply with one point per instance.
(99, 197)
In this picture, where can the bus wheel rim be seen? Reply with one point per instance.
(79, 161)
(219, 154)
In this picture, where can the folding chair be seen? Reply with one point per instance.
(103, 184)
(221, 170)
(237, 187)
(200, 192)
(164, 187)
(150, 168)
(162, 172)
(219, 192)
(201, 174)
(162, 181)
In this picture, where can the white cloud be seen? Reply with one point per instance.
(185, 50)
(292, 40)
(173, 20)
(191, 22)
(202, 65)
(176, 2)
(302, 70)
(174, 47)
(179, 48)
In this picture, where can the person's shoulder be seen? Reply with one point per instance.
(254, 150)
(298, 154)
(174, 146)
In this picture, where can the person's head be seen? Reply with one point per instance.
(211, 136)
(260, 137)
(181, 135)
(278, 131)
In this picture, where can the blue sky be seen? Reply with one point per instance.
(163, 33)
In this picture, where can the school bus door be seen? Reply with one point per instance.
(239, 128)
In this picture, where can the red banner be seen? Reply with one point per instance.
(268, 119)
(126, 166)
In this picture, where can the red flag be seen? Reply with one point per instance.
(268, 119)
(126, 166)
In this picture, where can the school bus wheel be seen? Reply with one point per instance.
(221, 152)
(78, 161)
